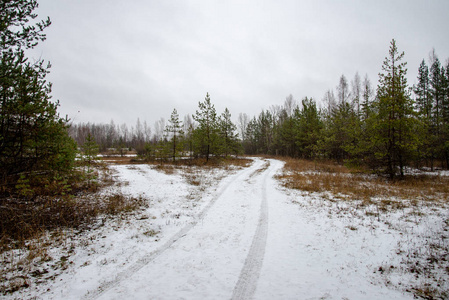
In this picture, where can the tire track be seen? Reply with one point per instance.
(247, 282)
(140, 263)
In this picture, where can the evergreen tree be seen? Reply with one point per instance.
(175, 132)
(32, 135)
(227, 131)
(265, 132)
(251, 137)
(436, 90)
(206, 134)
(336, 132)
(286, 135)
(424, 109)
(445, 114)
(439, 113)
(90, 150)
(394, 138)
(423, 93)
(308, 129)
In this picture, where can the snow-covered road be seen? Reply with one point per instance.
(250, 242)
(244, 237)
(217, 256)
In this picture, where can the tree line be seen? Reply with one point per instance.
(204, 134)
(386, 128)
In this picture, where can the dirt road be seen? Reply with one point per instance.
(218, 255)
(243, 237)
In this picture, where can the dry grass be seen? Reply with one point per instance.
(193, 171)
(22, 220)
(213, 162)
(415, 207)
(167, 169)
(119, 160)
(199, 162)
(29, 231)
(359, 185)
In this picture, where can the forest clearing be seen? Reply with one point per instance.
(240, 232)
(339, 194)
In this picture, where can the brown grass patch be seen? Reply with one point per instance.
(29, 226)
(214, 162)
(119, 160)
(167, 169)
(359, 185)
(21, 220)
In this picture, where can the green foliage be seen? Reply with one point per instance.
(394, 140)
(386, 131)
(162, 150)
(439, 116)
(90, 149)
(33, 138)
(23, 187)
(205, 136)
(228, 138)
(308, 129)
(175, 133)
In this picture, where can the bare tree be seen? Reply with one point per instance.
(289, 105)
(146, 131)
(343, 90)
(243, 124)
(329, 100)
(368, 93)
(356, 86)
(159, 128)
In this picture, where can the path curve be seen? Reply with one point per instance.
(143, 261)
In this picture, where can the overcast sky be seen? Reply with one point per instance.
(124, 60)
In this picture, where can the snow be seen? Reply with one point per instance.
(238, 234)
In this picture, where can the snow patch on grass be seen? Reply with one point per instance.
(395, 243)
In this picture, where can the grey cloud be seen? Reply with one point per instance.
(125, 60)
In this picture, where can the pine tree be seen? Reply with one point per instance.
(437, 93)
(423, 93)
(337, 131)
(437, 90)
(251, 137)
(340, 124)
(308, 129)
(424, 109)
(175, 132)
(286, 134)
(90, 150)
(394, 138)
(33, 138)
(445, 114)
(205, 134)
(227, 130)
(265, 132)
